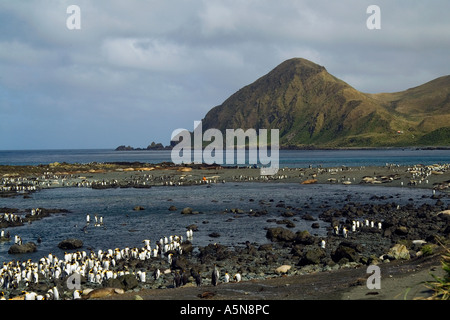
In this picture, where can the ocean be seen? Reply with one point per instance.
(287, 158)
(125, 227)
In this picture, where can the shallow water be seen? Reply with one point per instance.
(125, 227)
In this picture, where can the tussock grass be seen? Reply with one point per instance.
(441, 286)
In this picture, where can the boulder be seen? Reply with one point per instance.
(187, 210)
(280, 234)
(173, 208)
(398, 251)
(128, 281)
(401, 231)
(304, 237)
(70, 244)
(138, 208)
(283, 269)
(187, 247)
(346, 251)
(308, 217)
(22, 248)
(265, 247)
(214, 235)
(312, 256)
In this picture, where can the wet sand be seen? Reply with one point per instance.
(400, 280)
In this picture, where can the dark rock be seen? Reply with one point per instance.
(180, 263)
(192, 227)
(187, 247)
(401, 231)
(138, 208)
(214, 235)
(304, 237)
(22, 248)
(315, 225)
(288, 214)
(70, 244)
(345, 252)
(312, 256)
(214, 252)
(265, 247)
(280, 234)
(173, 208)
(308, 217)
(128, 281)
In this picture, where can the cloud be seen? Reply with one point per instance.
(139, 69)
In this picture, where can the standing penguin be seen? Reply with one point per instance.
(156, 274)
(215, 276)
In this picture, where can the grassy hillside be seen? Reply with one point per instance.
(312, 107)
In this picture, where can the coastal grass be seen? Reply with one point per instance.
(441, 285)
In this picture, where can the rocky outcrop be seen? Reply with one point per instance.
(22, 248)
(70, 244)
(346, 252)
(312, 256)
(280, 234)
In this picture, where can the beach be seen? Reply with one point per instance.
(337, 271)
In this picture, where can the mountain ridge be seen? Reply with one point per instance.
(311, 107)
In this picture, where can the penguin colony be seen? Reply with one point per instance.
(14, 185)
(97, 267)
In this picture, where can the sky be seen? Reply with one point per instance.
(133, 71)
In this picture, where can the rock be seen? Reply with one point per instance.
(312, 256)
(308, 217)
(398, 251)
(283, 269)
(315, 225)
(22, 248)
(214, 235)
(173, 208)
(304, 237)
(214, 252)
(128, 281)
(70, 244)
(187, 210)
(401, 231)
(288, 214)
(280, 234)
(265, 247)
(187, 247)
(346, 251)
(138, 208)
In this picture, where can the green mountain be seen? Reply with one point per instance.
(311, 107)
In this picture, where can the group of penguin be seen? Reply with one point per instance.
(97, 267)
(342, 230)
(183, 278)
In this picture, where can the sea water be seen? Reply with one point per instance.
(125, 227)
(288, 158)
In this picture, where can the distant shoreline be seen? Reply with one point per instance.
(122, 148)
